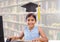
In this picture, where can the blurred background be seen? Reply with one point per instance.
(14, 17)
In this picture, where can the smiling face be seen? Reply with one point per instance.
(31, 21)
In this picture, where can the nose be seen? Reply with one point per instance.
(30, 21)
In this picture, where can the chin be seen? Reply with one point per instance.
(31, 26)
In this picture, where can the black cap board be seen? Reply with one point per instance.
(30, 7)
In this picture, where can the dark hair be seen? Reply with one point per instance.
(31, 14)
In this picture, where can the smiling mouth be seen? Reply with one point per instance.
(30, 24)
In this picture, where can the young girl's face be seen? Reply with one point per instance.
(31, 21)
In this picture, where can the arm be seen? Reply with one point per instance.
(43, 36)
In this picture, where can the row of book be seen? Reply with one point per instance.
(16, 18)
(15, 26)
(13, 9)
(14, 2)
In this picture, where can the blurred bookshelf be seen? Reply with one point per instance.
(14, 17)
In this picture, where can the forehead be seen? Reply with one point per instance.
(31, 17)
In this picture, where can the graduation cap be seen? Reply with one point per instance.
(30, 7)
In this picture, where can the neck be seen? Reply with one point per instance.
(30, 28)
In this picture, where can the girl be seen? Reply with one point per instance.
(32, 32)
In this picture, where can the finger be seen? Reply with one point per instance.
(33, 40)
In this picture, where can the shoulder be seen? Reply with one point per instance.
(40, 28)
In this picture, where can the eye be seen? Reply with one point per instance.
(28, 19)
(32, 19)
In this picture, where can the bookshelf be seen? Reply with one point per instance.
(14, 17)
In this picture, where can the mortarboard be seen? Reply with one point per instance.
(30, 7)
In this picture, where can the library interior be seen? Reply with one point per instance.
(14, 13)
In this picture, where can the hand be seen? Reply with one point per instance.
(11, 38)
(36, 40)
